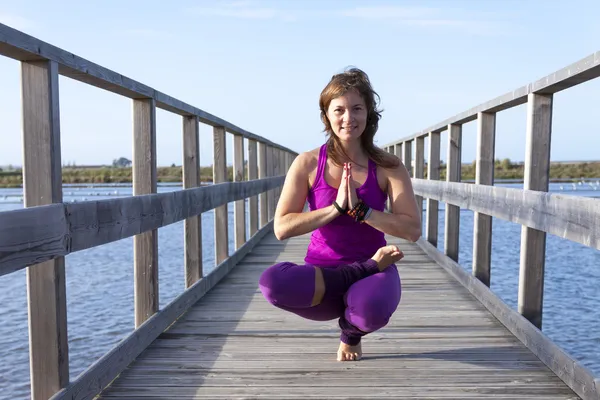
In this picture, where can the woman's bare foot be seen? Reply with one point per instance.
(387, 255)
(349, 353)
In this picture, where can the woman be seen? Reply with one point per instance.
(349, 272)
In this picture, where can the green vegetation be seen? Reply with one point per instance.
(106, 174)
(504, 169)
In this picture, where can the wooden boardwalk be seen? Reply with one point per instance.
(440, 343)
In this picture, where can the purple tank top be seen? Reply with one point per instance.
(344, 241)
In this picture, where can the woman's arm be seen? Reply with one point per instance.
(404, 220)
(289, 219)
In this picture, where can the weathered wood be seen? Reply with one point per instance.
(398, 150)
(145, 245)
(42, 184)
(262, 174)
(577, 377)
(102, 372)
(407, 157)
(579, 72)
(239, 210)
(61, 229)
(23, 47)
(453, 173)
(252, 175)
(570, 217)
(484, 175)
(433, 173)
(271, 193)
(536, 177)
(220, 176)
(235, 344)
(420, 169)
(32, 235)
(191, 179)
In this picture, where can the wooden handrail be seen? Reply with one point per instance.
(31, 235)
(586, 69)
(570, 217)
(23, 47)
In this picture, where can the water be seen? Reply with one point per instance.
(100, 286)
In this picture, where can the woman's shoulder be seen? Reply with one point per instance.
(308, 160)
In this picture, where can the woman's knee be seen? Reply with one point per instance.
(371, 315)
(287, 284)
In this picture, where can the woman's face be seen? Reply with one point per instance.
(347, 115)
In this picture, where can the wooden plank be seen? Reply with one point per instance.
(453, 174)
(23, 47)
(536, 177)
(262, 174)
(220, 176)
(239, 210)
(433, 173)
(31, 236)
(94, 223)
(252, 175)
(235, 344)
(191, 179)
(420, 169)
(563, 365)
(484, 175)
(90, 383)
(570, 217)
(42, 184)
(145, 245)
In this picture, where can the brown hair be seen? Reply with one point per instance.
(340, 84)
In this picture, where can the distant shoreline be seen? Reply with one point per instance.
(505, 171)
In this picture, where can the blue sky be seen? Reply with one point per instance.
(262, 64)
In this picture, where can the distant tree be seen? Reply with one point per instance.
(506, 164)
(121, 163)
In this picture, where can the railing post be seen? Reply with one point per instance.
(252, 175)
(398, 150)
(433, 173)
(407, 157)
(533, 242)
(270, 173)
(262, 174)
(191, 179)
(144, 182)
(42, 183)
(239, 210)
(453, 174)
(276, 172)
(220, 176)
(484, 175)
(420, 169)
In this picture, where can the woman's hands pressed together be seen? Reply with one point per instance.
(351, 189)
(342, 194)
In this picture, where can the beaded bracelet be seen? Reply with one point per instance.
(359, 212)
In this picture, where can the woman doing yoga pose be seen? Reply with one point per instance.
(349, 272)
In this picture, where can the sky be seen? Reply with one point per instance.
(261, 65)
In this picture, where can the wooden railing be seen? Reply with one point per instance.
(574, 218)
(40, 235)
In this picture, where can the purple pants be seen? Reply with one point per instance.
(358, 294)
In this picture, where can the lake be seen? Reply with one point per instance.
(100, 285)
